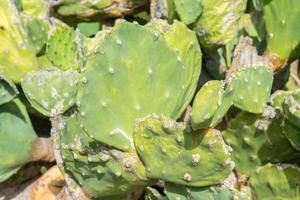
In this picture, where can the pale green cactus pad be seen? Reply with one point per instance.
(276, 182)
(100, 171)
(175, 192)
(251, 88)
(255, 141)
(58, 93)
(282, 24)
(206, 103)
(218, 21)
(64, 48)
(8, 90)
(16, 138)
(17, 54)
(172, 153)
(131, 53)
(188, 10)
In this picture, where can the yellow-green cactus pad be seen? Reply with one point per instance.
(16, 138)
(217, 24)
(171, 153)
(17, 54)
(64, 48)
(278, 182)
(206, 103)
(109, 97)
(57, 91)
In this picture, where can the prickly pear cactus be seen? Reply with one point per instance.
(16, 138)
(113, 71)
(17, 54)
(58, 93)
(257, 140)
(64, 48)
(174, 192)
(201, 158)
(282, 28)
(251, 88)
(276, 182)
(8, 90)
(217, 24)
(188, 10)
(102, 172)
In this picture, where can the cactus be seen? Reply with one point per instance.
(218, 22)
(275, 182)
(16, 138)
(17, 44)
(251, 88)
(188, 10)
(64, 48)
(161, 142)
(256, 140)
(175, 192)
(99, 170)
(8, 91)
(119, 66)
(58, 93)
(282, 28)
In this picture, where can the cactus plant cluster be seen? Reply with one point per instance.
(154, 100)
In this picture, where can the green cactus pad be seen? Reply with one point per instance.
(282, 24)
(37, 32)
(58, 91)
(251, 88)
(291, 109)
(277, 98)
(153, 194)
(206, 103)
(175, 192)
(63, 48)
(100, 171)
(218, 21)
(188, 10)
(17, 54)
(16, 138)
(8, 90)
(173, 154)
(292, 134)
(185, 43)
(253, 147)
(109, 83)
(276, 182)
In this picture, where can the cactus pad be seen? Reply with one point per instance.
(8, 90)
(173, 154)
(188, 10)
(282, 25)
(253, 147)
(206, 103)
(58, 93)
(14, 44)
(109, 83)
(63, 48)
(175, 192)
(251, 88)
(275, 182)
(99, 170)
(16, 138)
